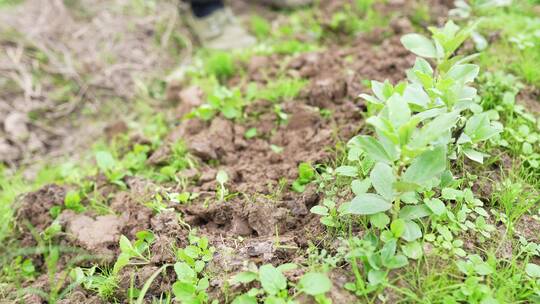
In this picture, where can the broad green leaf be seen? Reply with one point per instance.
(121, 262)
(314, 283)
(272, 280)
(389, 250)
(421, 73)
(414, 212)
(479, 128)
(184, 291)
(413, 250)
(412, 231)
(287, 267)
(374, 149)
(274, 300)
(125, 245)
(407, 130)
(415, 94)
(203, 284)
(427, 114)
(306, 173)
(320, 210)
(397, 261)
(377, 88)
(349, 171)
(382, 177)
(435, 128)
(426, 166)
(376, 277)
(105, 161)
(379, 220)
(419, 45)
(532, 270)
(483, 268)
(398, 110)
(436, 206)
(184, 272)
(474, 155)
(398, 227)
(360, 186)
(368, 203)
(245, 299)
(370, 98)
(464, 73)
(451, 194)
(244, 277)
(402, 186)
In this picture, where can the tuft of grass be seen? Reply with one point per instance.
(278, 90)
(260, 27)
(220, 64)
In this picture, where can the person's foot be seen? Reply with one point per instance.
(220, 30)
(287, 3)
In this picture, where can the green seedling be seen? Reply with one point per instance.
(157, 204)
(220, 65)
(274, 285)
(250, 133)
(229, 103)
(222, 178)
(192, 280)
(182, 198)
(306, 174)
(328, 212)
(105, 281)
(370, 264)
(276, 149)
(282, 117)
(72, 201)
(110, 167)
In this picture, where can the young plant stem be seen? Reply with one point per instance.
(140, 299)
(397, 202)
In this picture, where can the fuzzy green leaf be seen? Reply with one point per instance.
(419, 45)
(464, 73)
(426, 166)
(368, 203)
(374, 149)
(314, 283)
(412, 231)
(272, 280)
(532, 270)
(382, 177)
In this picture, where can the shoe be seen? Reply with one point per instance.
(220, 30)
(287, 4)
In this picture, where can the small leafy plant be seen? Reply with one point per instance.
(73, 201)
(418, 125)
(104, 281)
(110, 167)
(274, 285)
(306, 174)
(228, 102)
(192, 281)
(222, 178)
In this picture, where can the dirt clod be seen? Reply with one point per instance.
(97, 235)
